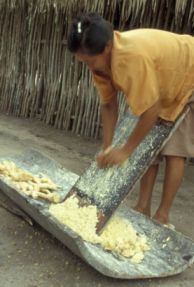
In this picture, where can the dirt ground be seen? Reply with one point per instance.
(31, 257)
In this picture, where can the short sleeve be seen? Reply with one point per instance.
(105, 88)
(139, 83)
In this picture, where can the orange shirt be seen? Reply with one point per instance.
(150, 65)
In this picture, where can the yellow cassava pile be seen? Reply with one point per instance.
(31, 185)
(119, 235)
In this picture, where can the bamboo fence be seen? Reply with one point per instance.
(39, 77)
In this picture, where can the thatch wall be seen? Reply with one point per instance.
(39, 78)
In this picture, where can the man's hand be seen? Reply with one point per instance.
(113, 157)
(143, 126)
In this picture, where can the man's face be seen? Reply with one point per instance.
(96, 63)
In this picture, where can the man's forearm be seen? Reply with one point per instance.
(144, 125)
(109, 114)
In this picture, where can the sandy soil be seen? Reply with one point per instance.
(30, 257)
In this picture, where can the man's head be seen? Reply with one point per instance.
(90, 39)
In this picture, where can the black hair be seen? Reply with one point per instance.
(89, 34)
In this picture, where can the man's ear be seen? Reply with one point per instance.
(108, 47)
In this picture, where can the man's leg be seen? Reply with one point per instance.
(173, 177)
(146, 188)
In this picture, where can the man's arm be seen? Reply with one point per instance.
(109, 114)
(143, 126)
